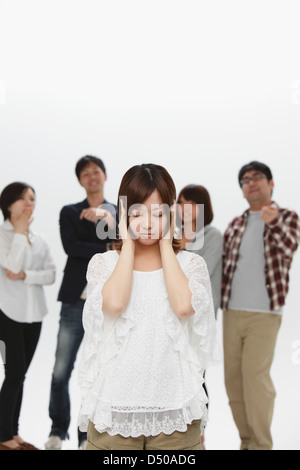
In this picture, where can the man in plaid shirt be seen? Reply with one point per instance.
(258, 250)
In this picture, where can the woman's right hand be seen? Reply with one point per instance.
(116, 291)
(13, 276)
(21, 224)
(123, 228)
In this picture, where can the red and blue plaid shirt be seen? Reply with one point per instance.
(281, 239)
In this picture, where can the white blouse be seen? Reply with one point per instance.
(141, 373)
(24, 300)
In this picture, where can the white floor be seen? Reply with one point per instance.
(221, 433)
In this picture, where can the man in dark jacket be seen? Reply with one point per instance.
(81, 241)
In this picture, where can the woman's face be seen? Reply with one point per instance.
(148, 221)
(26, 202)
(189, 210)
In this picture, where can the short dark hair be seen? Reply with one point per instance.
(199, 195)
(83, 161)
(10, 194)
(255, 165)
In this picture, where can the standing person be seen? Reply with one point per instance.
(26, 266)
(200, 237)
(80, 242)
(258, 251)
(209, 237)
(149, 328)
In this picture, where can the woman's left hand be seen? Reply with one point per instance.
(167, 237)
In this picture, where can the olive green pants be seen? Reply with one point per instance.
(249, 343)
(189, 440)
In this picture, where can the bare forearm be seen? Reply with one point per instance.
(117, 290)
(177, 284)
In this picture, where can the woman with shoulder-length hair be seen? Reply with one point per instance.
(26, 266)
(149, 328)
(199, 235)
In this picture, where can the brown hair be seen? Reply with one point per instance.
(199, 195)
(138, 184)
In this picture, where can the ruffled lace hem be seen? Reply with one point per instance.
(136, 423)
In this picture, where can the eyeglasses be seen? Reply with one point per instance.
(256, 177)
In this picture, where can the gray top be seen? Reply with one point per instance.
(248, 289)
(211, 251)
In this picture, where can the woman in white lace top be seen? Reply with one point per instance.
(149, 328)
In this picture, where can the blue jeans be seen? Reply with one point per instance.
(69, 338)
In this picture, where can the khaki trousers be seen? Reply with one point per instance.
(189, 440)
(249, 344)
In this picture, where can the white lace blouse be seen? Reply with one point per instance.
(141, 373)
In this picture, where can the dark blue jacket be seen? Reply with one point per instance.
(80, 242)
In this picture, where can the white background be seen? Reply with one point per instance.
(199, 87)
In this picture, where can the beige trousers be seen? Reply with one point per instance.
(249, 344)
(189, 440)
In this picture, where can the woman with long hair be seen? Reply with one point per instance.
(199, 235)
